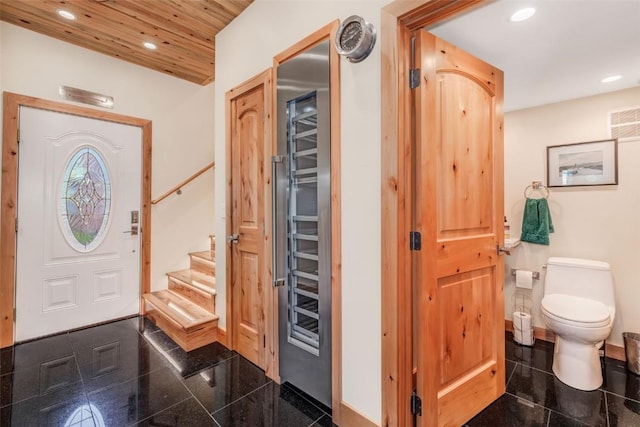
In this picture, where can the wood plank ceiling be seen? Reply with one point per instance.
(183, 30)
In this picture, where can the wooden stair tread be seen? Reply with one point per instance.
(187, 314)
(201, 281)
(205, 255)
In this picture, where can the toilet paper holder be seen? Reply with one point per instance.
(534, 274)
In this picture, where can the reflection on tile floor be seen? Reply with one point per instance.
(536, 398)
(129, 373)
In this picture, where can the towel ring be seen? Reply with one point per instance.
(537, 186)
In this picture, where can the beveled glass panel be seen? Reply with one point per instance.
(85, 199)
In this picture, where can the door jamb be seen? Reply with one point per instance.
(9, 208)
(398, 20)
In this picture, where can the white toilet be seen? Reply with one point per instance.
(579, 307)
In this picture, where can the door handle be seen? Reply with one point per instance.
(133, 231)
(276, 279)
(503, 251)
(234, 238)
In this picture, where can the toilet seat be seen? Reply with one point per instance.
(577, 311)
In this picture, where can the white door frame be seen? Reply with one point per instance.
(8, 209)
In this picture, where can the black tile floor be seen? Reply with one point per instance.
(129, 373)
(535, 397)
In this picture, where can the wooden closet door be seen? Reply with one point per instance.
(458, 209)
(247, 197)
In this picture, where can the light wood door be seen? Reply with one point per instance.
(458, 209)
(247, 222)
(78, 263)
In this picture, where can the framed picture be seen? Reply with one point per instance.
(584, 163)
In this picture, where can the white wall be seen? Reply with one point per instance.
(590, 222)
(247, 47)
(182, 115)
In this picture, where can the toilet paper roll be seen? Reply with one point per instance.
(524, 279)
(521, 320)
(522, 328)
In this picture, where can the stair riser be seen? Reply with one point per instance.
(203, 266)
(205, 334)
(204, 300)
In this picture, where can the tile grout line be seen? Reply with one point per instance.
(553, 411)
(621, 396)
(606, 408)
(548, 417)
(196, 399)
(510, 375)
(313, 423)
(240, 398)
(84, 388)
(536, 369)
(159, 412)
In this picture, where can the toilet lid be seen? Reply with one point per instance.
(576, 309)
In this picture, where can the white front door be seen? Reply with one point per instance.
(79, 184)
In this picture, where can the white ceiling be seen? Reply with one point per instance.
(561, 53)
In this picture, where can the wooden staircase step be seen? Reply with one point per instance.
(204, 262)
(186, 310)
(197, 279)
(185, 283)
(187, 314)
(188, 324)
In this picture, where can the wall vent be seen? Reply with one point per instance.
(625, 124)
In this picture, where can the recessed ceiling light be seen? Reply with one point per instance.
(67, 15)
(149, 45)
(523, 14)
(612, 78)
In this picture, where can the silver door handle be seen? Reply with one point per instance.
(234, 238)
(276, 280)
(133, 231)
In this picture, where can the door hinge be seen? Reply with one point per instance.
(414, 78)
(414, 73)
(264, 341)
(415, 241)
(18, 141)
(416, 404)
(16, 224)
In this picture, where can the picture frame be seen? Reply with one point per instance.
(583, 164)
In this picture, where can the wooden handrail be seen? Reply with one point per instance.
(177, 189)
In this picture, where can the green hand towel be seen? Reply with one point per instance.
(536, 222)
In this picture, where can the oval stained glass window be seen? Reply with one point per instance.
(85, 199)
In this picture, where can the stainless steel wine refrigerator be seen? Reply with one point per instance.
(302, 222)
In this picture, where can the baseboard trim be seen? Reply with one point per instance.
(612, 351)
(349, 417)
(222, 336)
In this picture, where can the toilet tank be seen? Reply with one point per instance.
(580, 277)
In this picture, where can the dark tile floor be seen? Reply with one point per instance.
(536, 398)
(129, 373)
